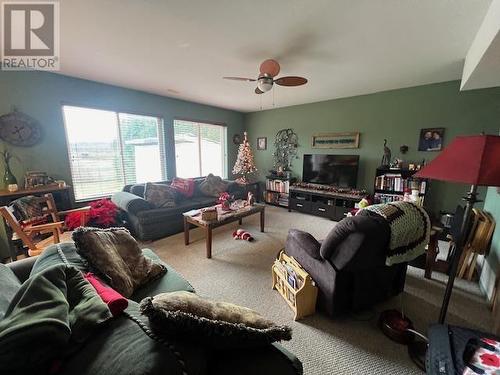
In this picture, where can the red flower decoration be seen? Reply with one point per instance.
(102, 214)
(490, 360)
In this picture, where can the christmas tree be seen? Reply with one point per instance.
(245, 164)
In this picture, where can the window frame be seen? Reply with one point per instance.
(161, 141)
(224, 147)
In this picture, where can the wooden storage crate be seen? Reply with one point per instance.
(301, 297)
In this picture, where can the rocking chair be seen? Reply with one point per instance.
(36, 237)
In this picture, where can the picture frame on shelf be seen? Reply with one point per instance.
(431, 139)
(335, 140)
(261, 143)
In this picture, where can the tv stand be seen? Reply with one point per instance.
(323, 200)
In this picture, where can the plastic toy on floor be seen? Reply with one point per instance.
(242, 234)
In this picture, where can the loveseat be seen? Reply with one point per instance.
(148, 223)
(349, 265)
(127, 345)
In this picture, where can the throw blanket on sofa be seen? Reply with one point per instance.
(52, 314)
(410, 229)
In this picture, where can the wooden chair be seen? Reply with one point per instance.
(28, 234)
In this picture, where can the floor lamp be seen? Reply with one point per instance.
(472, 160)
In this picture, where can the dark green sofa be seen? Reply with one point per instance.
(126, 344)
(148, 223)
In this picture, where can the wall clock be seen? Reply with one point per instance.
(19, 129)
(237, 139)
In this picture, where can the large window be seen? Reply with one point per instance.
(200, 149)
(109, 149)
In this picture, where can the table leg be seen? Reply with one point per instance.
(186, 232)
(262, 219)
(431, 256)
(208, 232)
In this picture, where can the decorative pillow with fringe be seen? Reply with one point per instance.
(220, 324)
(115, 255)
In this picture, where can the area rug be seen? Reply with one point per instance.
(240, 272)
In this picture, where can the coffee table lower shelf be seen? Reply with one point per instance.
(209, 226)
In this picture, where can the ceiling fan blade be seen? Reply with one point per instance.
(258, 91)
(240, 79)
(291, 81)
(270, 67)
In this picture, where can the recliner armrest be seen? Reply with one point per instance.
(130, 203)
(303, 241)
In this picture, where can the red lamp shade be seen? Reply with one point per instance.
(473, 160)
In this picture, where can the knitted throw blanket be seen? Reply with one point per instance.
(410, 230)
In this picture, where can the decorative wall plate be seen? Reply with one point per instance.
(237, 139)
(19, 129)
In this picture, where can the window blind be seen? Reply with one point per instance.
(200, 149)
(109, 149)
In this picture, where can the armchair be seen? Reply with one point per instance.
(36, 237)
(349, 265)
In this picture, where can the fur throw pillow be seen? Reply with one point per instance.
(212, 186)
(160, 195)
(220, 324)
(115, 254)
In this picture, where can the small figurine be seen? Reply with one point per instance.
(250, 198)
(386, 159)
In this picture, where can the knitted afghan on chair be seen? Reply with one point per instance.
(410, 229)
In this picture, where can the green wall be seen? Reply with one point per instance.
(396, 115)
(40, 95)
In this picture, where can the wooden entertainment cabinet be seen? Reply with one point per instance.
(321, 202)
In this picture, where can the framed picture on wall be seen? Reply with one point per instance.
(431, 139)
(262, 143)
(335, 140)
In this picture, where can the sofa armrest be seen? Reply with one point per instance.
(302, 241)
(130, 203)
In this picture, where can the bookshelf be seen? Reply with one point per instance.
(295, 285)
(278, 190)
(392, 185)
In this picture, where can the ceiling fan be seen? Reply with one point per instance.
(268, 70)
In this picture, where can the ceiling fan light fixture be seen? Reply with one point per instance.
(265, 83)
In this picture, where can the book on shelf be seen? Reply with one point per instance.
(281, 186)
(395, 182)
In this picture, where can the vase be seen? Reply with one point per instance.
(8, 177)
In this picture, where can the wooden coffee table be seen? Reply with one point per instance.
(224, 217)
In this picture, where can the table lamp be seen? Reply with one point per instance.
(473, 160)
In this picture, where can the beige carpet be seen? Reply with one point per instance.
(240, 272)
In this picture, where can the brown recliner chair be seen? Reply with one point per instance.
(349, 265)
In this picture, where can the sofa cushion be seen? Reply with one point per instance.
(170, 282)
(126, 346)
(160, 195)
(138, 189)
(184, 186)
(220, 324)
(116, 255)
(10, 284)
(212, 186)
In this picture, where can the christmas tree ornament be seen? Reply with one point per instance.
(245, 163)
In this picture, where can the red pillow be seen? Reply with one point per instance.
(185, 186)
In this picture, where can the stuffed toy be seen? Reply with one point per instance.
(242, 234)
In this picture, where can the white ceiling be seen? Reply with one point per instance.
(183, 48)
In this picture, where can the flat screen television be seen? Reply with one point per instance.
(337, 170)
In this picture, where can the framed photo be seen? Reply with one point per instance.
(262, 143)
(431, 139)
(335, 140)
